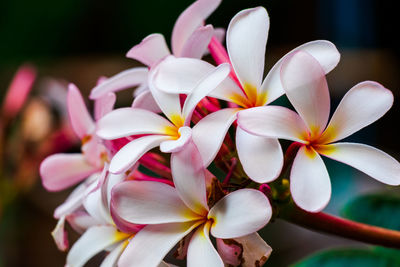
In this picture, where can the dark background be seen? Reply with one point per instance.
(80, 40)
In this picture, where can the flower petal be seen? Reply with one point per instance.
(150, 245)
(305, 85)
(104, 105)
(371, 161)
(240, 213)
(129, 154)
(60, 171)
(148, 202)
(80, 221)
(93, 241)
(95, 207)
(246, 39)
(197, 43)
(250, 250)
(189, 179)
(145, 100)
(172, 146)
(79, 116)
(189, 21)
(123, 80)
(201, 251)
(112, 258)
(261, 157)
(309, 181)
(60, 235)
(150, 50)
(209, 133)
(203, 88)
(123, 122)
(362, 105)
(273, 122)
(323, 51)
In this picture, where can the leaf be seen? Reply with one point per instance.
(380, 209)
(349, 258)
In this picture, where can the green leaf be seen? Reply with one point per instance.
(349, 258)
(382, 209)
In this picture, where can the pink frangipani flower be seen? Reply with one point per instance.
(305, 85)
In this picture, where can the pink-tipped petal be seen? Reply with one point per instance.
(323, 51)
(273, 122)
(93, 241)
(145, 100)
(60, 171)
(150, 245)
(209, 133)
(60, 235)
(80, 221)
(371, 161)
(246, 39)
(80, 119)
(189, 178)
(123, 80)
(261, 157)
(150, 50)
(362, 105)
(240, 213)
(203, 88)
(309, 181)
(104, 105)
(305, 85)
(129, 154)
(247, 251)
(148, 202)
(197, 43)
(201, 251)
(173, 146)
(189, 21)
(123, 122)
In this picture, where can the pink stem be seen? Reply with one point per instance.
(139, 176)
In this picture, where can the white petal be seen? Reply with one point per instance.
(123, 80)
(305, 85)
(112, 258)
(367, 159)
(131, 152)
(93, 241)
(204, 87)
(145, 100)
(201, 251)
(148, 202)
(172, 146)
(80, 221)
(150, 245)
(323, 51)
(150, 50)
(261, 157)
(128, 121)
(240, 213)
(60, 171)
(95, 207)
(189, 179)
(104, 105)
(189, 21)
(209, 133)
(197, 43)
(60, 236)
(79, 116)
(362, 105)
(273, 121)
(246, 39)
(309, 181)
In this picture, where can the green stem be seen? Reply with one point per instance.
(330, 224)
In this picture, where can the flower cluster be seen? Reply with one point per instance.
(148, 173)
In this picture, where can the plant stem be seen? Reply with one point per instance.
(330, 224)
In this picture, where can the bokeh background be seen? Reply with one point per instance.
(80, 40)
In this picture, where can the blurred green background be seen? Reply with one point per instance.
(80, 40)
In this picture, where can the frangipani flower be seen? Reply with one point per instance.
(247, 34)
(171, 135)
(190, 38)
(305, 85)
(60, 171)
(172, 213)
